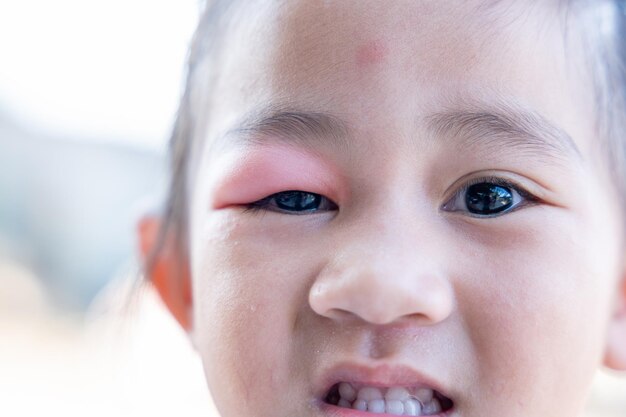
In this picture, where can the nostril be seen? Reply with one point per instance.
(340, 314)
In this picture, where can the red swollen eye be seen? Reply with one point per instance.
(294, 202)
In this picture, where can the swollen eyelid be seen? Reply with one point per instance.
(257, 175)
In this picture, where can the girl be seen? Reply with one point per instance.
(408, 207)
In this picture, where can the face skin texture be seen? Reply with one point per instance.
(507, 315)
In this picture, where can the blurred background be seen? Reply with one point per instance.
(88, 93)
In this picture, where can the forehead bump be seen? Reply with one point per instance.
(371, 52)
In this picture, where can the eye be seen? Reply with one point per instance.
(489, 197)
(293, 202)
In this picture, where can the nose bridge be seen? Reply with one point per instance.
(372, 242)
(395, 230)
(386, 268)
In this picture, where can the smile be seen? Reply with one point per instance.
(395, 400)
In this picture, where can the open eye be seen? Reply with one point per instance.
(489, 197)
(293, 202)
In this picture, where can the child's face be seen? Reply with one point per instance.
(467, 239)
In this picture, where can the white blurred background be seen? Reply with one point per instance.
(88, 93)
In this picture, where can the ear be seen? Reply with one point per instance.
(616, 348)
(168, 271)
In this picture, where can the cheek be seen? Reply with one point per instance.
(249, 284)
(247, 295)
(535, 301)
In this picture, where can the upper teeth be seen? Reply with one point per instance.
(394, 400)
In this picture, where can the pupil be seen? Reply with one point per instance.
(297, 201)
(488, 198)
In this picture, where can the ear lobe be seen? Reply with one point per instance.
(616, 345)
(166, 269)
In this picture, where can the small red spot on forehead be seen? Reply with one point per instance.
(370, 53)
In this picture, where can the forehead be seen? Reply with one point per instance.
(379, 64)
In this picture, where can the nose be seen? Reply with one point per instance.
(382, 278)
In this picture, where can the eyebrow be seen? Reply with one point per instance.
(292, 127)
(496, 126)
(504, 126)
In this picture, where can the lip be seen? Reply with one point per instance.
(383, 375)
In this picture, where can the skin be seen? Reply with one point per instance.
(511, 314)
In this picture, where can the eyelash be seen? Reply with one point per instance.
(528, 198)
(263, 204)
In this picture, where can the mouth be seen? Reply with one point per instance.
(394, 400)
